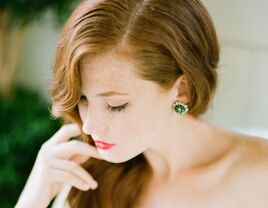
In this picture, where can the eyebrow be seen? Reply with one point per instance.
(110, 93)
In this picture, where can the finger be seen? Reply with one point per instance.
(68, 149)
(79, 159)
(68, 178)
(75, 169)
(66, 132)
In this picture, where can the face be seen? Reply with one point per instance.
(134, 120)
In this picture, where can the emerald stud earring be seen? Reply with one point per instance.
(180, 107)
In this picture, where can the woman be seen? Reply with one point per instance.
(133, 78)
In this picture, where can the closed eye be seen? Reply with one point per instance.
(117, 108)
(83, 99)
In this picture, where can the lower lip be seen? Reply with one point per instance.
(104, 146)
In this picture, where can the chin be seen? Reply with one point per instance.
(113, 158)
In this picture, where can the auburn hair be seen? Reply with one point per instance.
(164, 39)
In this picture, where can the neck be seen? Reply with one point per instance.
(191, 144)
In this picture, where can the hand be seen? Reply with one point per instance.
(57, 164)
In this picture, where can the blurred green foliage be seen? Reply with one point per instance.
(24, 12)
(25, 123)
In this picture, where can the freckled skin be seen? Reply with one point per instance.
(195, 164)
(131, 129)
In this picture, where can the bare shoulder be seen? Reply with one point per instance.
(248, 179)
(61, 199)
(252, 166)
(255, 151)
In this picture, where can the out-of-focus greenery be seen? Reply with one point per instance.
(24, 12)
(25, 123)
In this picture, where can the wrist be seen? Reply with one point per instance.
(29, 203)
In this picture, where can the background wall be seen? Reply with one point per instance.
(242, 98)
(36, 62)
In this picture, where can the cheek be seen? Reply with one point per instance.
(153, 124)
(135, 131)
(139, 125)
(125, 126)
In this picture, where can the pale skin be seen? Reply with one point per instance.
(195, 164)
(58, 163)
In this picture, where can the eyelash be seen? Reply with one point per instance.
(108, 107)
(117, 108)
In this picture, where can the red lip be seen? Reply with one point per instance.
(103, 145)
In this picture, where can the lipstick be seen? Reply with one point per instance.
(103, 145)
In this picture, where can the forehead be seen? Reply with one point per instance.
(108, 71)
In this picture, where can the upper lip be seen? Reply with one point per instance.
(97, 139)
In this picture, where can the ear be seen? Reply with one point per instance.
(181, 90)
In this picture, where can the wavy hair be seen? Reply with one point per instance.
(164, 39)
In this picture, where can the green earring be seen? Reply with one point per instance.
(180, 107)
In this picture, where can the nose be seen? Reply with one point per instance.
(93, 125)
